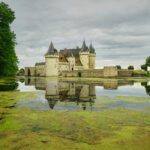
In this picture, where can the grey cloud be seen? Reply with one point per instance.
(119, 29)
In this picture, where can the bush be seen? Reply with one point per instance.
(140, 72)
(21, 70)
(130, 67)
(144, 67)
(148, 73)
(118, 67)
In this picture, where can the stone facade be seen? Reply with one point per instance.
(40, 69)
(110, 72)
(29, 71)
(64, 60)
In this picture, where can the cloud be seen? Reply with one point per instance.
(119, 29)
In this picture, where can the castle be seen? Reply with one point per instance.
(65, 60)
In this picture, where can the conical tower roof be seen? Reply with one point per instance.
(51, 49)
(84, 47)
(91, 48)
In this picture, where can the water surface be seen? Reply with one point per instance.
(74, 96)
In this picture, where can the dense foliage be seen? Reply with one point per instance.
(130, 67)
(8, 58)
(147, 64)
(118, 67)
(144, 67)
(21, 70)
(148, 61)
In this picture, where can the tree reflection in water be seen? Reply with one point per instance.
(147, 87)
(8, 85)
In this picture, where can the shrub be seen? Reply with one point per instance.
(140, 72)
(144, 67)
(148, 61)
(148, 73)
(130, 67)
(118, 67)
(21, 70)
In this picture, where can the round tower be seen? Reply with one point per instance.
(84, 56)
(51, 62)
(92, 57)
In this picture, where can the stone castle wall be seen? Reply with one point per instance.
(83, 73)
(110, 72)
(98, 73)
(92, 61)
(84, 58)
(40, 70)
(51, 65)
(125, 73)
(30, 71)
(63, 66)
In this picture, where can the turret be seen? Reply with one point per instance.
(51, 61)
(92, 57)
(84, 47)
(84, 56)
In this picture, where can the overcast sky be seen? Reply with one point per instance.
(118, 29)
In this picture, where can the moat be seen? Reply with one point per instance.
(75, 96)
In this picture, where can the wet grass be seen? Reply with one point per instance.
(116, 129)
(109, 129)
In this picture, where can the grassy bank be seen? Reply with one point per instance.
(96, 80)
(141, 73)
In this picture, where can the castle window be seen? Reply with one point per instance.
(79, 74)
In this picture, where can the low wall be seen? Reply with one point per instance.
(98, 73)
(110, 72)
(40, 70)
(125, 73)
(84, 73)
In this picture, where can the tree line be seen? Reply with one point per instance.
(143, 67)
(8, 58)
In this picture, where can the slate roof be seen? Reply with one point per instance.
(91, 48)
(51, 49)
(84, 47)
(71, 53)
(63, 54)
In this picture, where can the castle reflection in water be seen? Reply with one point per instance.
(83, 95)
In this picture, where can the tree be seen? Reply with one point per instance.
(130, 67)
(144, 67)
(148, 61)
(118, 67)
(8, 58)
(21, 70)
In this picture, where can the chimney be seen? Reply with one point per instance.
(65, 51)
